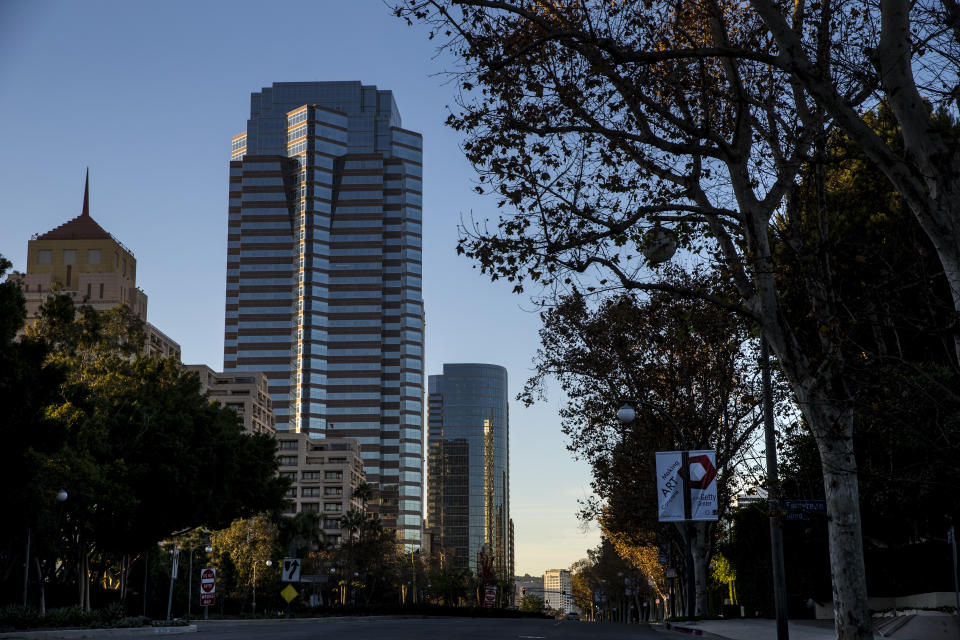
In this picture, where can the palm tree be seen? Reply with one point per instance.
(362, 492)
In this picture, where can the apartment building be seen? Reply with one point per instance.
(324, 473)
(246, 393)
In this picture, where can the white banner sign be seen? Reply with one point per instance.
(703, 485)
(669, 486)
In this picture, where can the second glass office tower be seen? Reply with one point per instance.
(468, 470)
(324, 276)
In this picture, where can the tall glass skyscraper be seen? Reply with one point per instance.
(468, 465)
(324, 276)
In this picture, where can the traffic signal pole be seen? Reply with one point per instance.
(773, 497)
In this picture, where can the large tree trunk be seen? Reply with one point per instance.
(41, 578)
(834, 435)
(701, 559)
(851, 609)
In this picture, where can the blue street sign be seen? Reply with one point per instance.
(800, 509)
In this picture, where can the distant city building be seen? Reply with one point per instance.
(557, 590)
(324, 272)
(245, 393)
(527, 585)
(158, 343)
(324, 473)
(81, 259)
(468, 471)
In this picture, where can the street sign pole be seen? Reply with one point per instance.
(773, 497)
(952, 534)
(688, 526)
(208, 589)
(173, 576)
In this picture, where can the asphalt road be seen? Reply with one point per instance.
(390, 628)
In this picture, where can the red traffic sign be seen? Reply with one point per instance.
(208, 582)
(206, 599)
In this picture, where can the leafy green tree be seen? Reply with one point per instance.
(301, 533)
(241, 552)
(448, 583)
(686, 364)
(29, 383)
(583, 585)
(142, 454)
(531, 602)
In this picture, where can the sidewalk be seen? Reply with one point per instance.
(912, 627)
(74, 634)
(755, 629)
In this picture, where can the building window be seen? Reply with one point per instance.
(101, 291)
(333, 491)
(331, 506)
(311, 475)
(124, 262)
(311, 491)
(288, 461)
(116, 259)
(288, 445)
(89, 287)
(93, 256)
(45, 256)
(333, 475)
(69, 256)
(309, 506)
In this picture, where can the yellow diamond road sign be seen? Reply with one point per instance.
(289, 593)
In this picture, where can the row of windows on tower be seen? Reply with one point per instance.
(69, 256)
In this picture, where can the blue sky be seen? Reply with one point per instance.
(148, 96)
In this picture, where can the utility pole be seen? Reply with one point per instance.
(773, 497)
(173, 576)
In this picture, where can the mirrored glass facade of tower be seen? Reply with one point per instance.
(324, 276)
(468, 470)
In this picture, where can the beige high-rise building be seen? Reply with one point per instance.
(324, 473)
(84, 261)
(81, 259)
(246, 393)
(557, 590)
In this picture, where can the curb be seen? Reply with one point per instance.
(72, 634)
(671, 626)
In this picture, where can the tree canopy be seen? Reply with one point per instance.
(598, 125)
(141, 453)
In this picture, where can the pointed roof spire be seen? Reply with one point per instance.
(83, 227)
(86, 195)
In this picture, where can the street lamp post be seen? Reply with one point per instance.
(333, 597)
(61, 498)
(627, 414)
(206, 607)
(269, 563)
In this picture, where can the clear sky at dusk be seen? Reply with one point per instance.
(148, 96)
